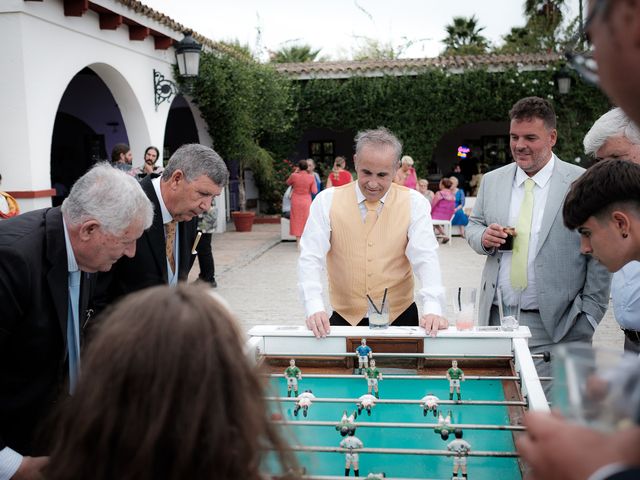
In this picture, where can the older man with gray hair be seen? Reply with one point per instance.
(48, 257)
(194, 175)
(375, 235)
(614, 135)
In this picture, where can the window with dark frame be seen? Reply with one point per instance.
(322, 152)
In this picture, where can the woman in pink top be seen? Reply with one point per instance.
(443, 205)
(303, 184)
(406, 174)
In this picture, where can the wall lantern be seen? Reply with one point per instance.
(562, 79)
(188, 59)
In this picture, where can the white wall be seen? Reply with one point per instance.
(43, 51)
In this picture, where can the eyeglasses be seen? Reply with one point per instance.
(583, 61)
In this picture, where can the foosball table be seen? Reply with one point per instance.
(396, 433)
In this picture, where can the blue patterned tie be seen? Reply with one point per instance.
(73, 329)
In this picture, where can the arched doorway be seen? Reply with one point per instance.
(88, 123)
(181, 127)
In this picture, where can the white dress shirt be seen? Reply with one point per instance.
(421, 251)
(542, 179)
(625, 295)
(166, 218)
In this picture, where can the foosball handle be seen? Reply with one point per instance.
(546, 356)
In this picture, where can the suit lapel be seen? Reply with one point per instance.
(57, 276)
(555, 198)
(154, 236)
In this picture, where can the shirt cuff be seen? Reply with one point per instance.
(432, 307)
(10, 461)
(312, 306)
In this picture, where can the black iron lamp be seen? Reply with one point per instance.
(562, 79)
(188, 59)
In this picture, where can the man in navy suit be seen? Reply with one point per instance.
(165, 253)
(43, 310)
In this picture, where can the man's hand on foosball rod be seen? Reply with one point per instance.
(318, 323)
(432, 323)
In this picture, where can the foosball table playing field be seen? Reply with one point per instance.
(399, 402)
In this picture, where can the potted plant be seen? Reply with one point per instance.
(259, 161)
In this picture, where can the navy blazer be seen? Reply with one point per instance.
(34, 298)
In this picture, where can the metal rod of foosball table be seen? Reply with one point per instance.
(405, 377)
(514, 403)
(387, 355)
(337, 477)
(401, 451)
(463, 426)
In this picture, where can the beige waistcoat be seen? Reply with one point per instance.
(359, 264)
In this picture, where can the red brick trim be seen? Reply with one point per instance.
(49, 192)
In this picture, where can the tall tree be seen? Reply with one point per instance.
(464, 37)
(295, 54)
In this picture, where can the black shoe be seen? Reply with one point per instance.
(304, 412)
(424, 412)
(213, 283)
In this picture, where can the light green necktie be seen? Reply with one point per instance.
(521, 240)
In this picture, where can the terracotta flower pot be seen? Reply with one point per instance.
(243, 221)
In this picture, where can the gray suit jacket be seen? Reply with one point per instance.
(569, 284)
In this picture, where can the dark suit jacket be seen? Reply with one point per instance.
(34, 299)
(149, 265)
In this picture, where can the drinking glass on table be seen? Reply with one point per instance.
(509, 307)
(378, 312)
(462, 307)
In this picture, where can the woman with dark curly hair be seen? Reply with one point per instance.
(166, 393)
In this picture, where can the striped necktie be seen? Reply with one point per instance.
(372, 215)
(519, 259)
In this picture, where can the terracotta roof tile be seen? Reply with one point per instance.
(413, 66)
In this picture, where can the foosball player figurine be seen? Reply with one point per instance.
(347, 424)
(430, 402)
(364, 354)
(366, 402)
(304, 402)
(372, 374)
(353, 444)
(292, 374)
(455, 376)
(461, 448)
(444, 425)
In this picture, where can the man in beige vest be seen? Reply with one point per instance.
(374, 235)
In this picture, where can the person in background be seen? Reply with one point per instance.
(303, 186)
(443, 205)
(423, 188)
(149, 167)
(339, 176)
(406, 174)
(207, 223)
(166, 392)
(121, 157)
(377, 219)
(312, 170)
(457, 172)
(48, 260)
(614, 135)
(8, 205)
(474, 183)
(460, 218)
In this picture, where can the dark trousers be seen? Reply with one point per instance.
(408, 318)
(205, 258)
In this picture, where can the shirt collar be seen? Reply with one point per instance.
(72, 264)
(361, 198)
(166, 216)
(541, 178)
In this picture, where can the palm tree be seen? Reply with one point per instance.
(295, 54)
(464, 38)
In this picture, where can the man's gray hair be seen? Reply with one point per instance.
(379, 137)
(195, 160)
(112, 197)
(614, 123)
